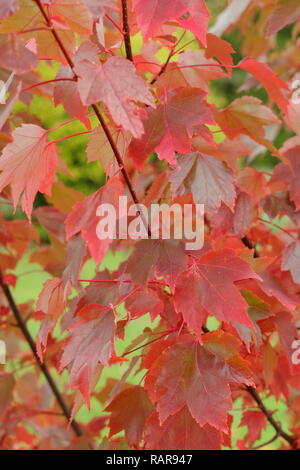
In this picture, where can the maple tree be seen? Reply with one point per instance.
(186, 102)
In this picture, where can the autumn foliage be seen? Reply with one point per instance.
(188, 102)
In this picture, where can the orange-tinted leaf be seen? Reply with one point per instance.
(74, 13)
(221, 344)
(222, 50)
(100, 149)
(286, 12)
(26, 17)
(63, 197)
(277, 89)
(246, 115)
(28, 164)
(7, 384)
(47, 45)
(253, 182)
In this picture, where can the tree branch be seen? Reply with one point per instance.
(97, 112)
(280, 432)
(265, 443)
(126, 31)
(163, 68)
(54, 80)
(165, 65)
(94, 106)
(44, 369)
(250, 245)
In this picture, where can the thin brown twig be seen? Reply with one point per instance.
(165, 65)
(146, 344)
(54, 80)
(46, 412)
(260, 446)
(118, 157)
(126, 30)
(280, 432)
(250, 245)
(43, 367)
(97, 112)
(163, 68)
(256, 397)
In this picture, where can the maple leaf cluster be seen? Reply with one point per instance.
(174, 109)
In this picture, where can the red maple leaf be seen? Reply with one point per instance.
(116, 84)
(91, 341)
(277, 88)
(180, 431)
(210, 282)
(192, 14)
(208, 179)
(83, 217)
(185, 374)
(169, 128)
(129, 411)
(28, 164)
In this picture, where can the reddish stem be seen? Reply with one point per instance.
(61, 124)
(47, 81)
(107, 16)
(146, 344)
(68, 137)
(96, 110)
(208, 65)
(54, 33)
(126, 31)
(32, 30)
(278, 227)
(171, 54)
(44, 369)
